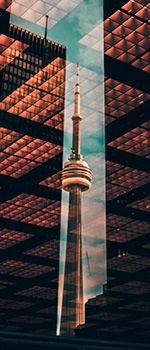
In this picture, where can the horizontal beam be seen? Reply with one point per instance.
(41, 342)
(29, 182)
(126, 74)
(133, 246)
(48, 233)
(127, 122)
(18, 252)
(20, 283)
(131, 196)
(49, 323)
(13, 186)
(127, 159)
(34, 299)
(132, 213)
(37, 260)
(30, 128)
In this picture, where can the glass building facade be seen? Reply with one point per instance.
(37, 65)
(40, 44)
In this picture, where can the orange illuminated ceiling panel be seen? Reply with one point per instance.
(49, 77)
(112, 167)
(54, 181)
(12, 211)
(143, 62)
(32, 209)
(48, 250)
(23, 269)
(8, 238)
(39, 292)
(135, 141)
(133, 226)
(119, 17)
(6, 40)
(14, 166)
(117, 220)
(146, 125)
(142, 204)
(19, 154)
(4, 4)
(121, 98)
(57, 121)
(132, 7)
(131, 264)
(114, 190)
(126, 36)
(30, 201)
(108, 119)
(138, 226)
(59, 63)
(9, 49)
(7, 137)
(43, 218)
(139, 7)
(121, 235)
(129, 178)
(41, 97)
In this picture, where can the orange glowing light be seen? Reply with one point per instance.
(28, 101)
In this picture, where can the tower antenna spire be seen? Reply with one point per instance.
(76, 117)
(77, 94)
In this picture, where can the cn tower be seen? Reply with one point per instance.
(76, 178)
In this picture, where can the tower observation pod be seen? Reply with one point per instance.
(76, 178)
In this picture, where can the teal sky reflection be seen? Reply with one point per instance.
(81, 31)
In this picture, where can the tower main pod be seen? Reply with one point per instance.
(76, 178)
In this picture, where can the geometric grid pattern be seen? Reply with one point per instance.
(125, 179)
(122, 98)
(23, 269)
(36, 10)
(32, 94)
(123, 310)
(126, 31)
(8, 238)
(126, 34)
(32, 209)
(135, 141)
(49, 250)
(24, 154)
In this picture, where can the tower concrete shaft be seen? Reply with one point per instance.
(73, 306)
(76, 178)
